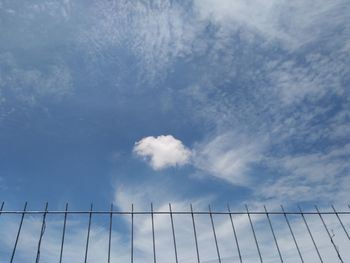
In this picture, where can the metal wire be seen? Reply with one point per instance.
(329, 235)
(173, 232)
(310, 234)
(234, 233)
(153, 236)
(132, 233)
(214, 233)
(88, 236)
(256, 240)
(63, 232)
(273, 233)
(341, 222)
(43, 226)
(195, 234)
(2, 206)
(107, 212)
(110, 234)
(18, 233)
(273, 229)
(292, 233)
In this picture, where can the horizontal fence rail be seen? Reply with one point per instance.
(275, 236)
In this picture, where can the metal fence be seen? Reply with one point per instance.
(340, 218)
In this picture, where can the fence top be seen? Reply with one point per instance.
(282, 211)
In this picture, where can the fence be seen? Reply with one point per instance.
(277, 222)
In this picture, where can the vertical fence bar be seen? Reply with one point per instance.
(2, 206)
(273, 233)
(291, 231)
(341, 223)
(43, 227)
(173, 231)
(153, 236)
(214, 233)
(329, 234)
(234, 233)
(88, 235)
(195, 234)
(110, 233)
(18, 233)
(132, 234)
(63, 231)
(310, 234)
(256, 240)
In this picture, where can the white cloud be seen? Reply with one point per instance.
(227, 157)
(156, 33)
(318, 76)
(254, 15)
(319, 177)
(31, 84)
(292, 23)
(163, 151)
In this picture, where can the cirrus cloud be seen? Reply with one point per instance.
(163, 151)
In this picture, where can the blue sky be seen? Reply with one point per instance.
(196, 101)
(253, 99)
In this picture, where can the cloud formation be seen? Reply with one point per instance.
(277, 70)
(290, 23)
(163, 151)
(156, 34)
(324, 175)
(227, 157)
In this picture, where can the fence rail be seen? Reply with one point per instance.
(341, 218)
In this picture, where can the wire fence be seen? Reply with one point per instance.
(299, 227)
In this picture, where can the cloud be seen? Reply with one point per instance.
(155, 33)
(318, 177)
(227, 157)
(184, 230)
(313, 79)
(74, 245)
(163, 151)
(30, 86)
(293, 24)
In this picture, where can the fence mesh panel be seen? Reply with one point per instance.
(174, 235)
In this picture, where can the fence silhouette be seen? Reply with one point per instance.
(340, 218)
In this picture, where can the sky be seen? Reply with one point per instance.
(182, 101)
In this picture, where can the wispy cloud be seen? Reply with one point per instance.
(228, 157)
(74, 246)
(293, 24)
(313, 79)
(156, 33)
(277, 70)
(319, 177)
(31, 86)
